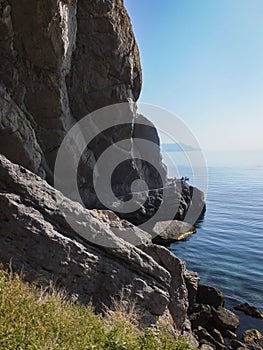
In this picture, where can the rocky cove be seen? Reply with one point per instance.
(60, 61)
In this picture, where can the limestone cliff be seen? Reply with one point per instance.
(59, 61)
(63, 59)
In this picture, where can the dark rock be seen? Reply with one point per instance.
(225, 319)
(199, 315)
(235, 344)
(167, 232)
(249, 310)
(204, 337)
(61, 60)
(215, 333)
(209, 295)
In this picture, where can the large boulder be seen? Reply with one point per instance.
(98, 262)
(225, 319)
(209, 295)
(165, 233)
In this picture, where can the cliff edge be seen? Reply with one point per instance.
(59, 62)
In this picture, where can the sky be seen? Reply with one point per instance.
(203, 61)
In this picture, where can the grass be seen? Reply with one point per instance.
(33, 319)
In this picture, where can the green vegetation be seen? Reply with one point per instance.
(31, 319)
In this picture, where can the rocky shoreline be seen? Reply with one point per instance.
(60, 61)
(36, 238)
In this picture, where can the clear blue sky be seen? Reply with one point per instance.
(203, 60)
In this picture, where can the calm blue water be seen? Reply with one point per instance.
(227, 250)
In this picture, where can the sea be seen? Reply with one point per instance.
(227, 249)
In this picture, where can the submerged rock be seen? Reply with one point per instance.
(249, 310)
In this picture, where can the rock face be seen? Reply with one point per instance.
(95, 265)
(59, 61)
(63, 59)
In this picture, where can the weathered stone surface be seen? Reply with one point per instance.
(192, 281)
(205, 338)
(124, 229)
(253, 338)
(165, 232)
(215, 334)
(59, 61)
(229, 334)
(97, 263)
(18, 140)
(105, 64)
(178, 305)
(249, 310)
(225, 319)
(37, 57)
(35, 236)
(209, 295)
(200, 314)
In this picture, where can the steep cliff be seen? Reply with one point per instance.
(61, 60)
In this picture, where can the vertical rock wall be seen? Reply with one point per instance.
(59, 61)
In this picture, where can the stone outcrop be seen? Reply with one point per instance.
(59, 61)
(96, 264)
(96, 256)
